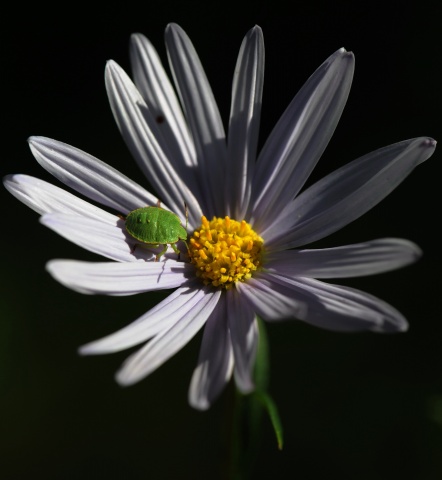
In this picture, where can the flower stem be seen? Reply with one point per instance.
(247, 413)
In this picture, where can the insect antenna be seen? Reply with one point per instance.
(186, 211)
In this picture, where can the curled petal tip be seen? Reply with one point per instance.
(345, 52)
(122, 380)
(429, 142)
(172, 26)
(84, 350)
(111, 64)
(34, 140)
(427, 146)
(400, 328)
(342, 53)
(400, 325)
(405, 327)
(201, 404)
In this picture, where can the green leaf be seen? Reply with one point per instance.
(260, 398)
(272, 411)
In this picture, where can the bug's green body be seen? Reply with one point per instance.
(156, 226)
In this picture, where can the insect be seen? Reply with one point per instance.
(155, 226)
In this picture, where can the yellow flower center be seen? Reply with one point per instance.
(225, 251)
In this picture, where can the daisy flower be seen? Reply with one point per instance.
(249, 217)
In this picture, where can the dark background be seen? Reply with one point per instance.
(361, 406)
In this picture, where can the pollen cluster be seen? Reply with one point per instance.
(225, 251)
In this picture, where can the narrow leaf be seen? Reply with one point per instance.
(272, 410)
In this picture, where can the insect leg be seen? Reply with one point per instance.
(163, 251)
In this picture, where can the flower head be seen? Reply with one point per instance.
(249, 218)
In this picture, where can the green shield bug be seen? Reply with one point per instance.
(155, 226)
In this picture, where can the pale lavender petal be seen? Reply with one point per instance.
(202, 116)
(89, 176)
(299, 138)
(215, 362)
(355, 260)
(43, 197)
(118, 278)
(156, 89)
(158, 319)
(111, 241)
(346, 194)
(141, 133)
(337, 308)
(270, 303)
(167, 343)
(245, 114)
(244, 334)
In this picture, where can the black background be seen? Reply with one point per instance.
(362, 406)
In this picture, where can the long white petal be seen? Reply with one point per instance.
(244, 334)
(202, 115)
(299, 138)
(158, 319)
(346, 194)
(118, 278)
(156, 89)
(335, 307)
(168, 342)
(143, 137)
(111, 241)
(89, 176)
(270, 303)
(159, 95)
(215, 362)
(355, 260)
(245, 114)
(43, 197)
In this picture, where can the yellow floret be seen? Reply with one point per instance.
(225, 251)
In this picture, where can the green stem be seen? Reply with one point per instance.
(247, 413)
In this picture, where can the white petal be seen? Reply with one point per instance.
(141, 133)
(89, 176)
(346, 194)
(44, 197)
(168, 342)
(270, 303)
(215, 362)
(202, 115)
(355, 260)
(245, 114)
(299, 138)
(338, 308)
(156, 89)
(118, 278)
(244, 334)
(158, 319)
(111, 241)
